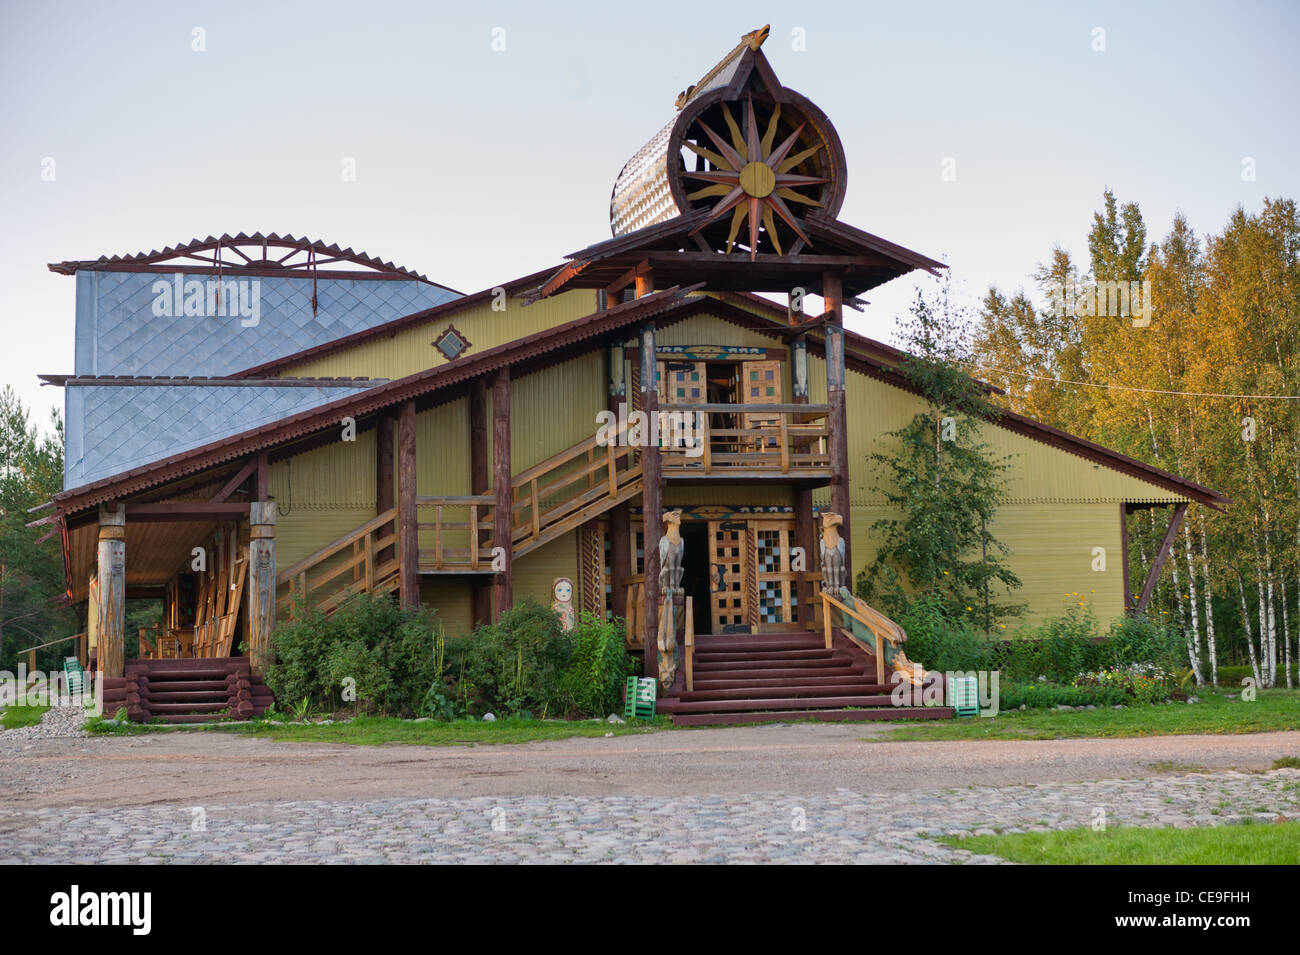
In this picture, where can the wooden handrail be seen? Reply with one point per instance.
(689, 642)
(329, 550)
(881, 626)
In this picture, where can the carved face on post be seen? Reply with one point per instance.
(830, 526)
(673, 523)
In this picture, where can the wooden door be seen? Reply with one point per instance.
(760, 383)
(778, 592)
(730, 602)
(682, 383)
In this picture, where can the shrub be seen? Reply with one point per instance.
(1145, 682)
(513, 666)
(938, 643)
(598, 668)
(1039, 695)
(1142, 640)
(390, 651)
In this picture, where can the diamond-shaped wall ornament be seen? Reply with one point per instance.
(451, 343)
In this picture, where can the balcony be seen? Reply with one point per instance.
(745, 443)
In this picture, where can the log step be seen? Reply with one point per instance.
(776, 703)
(166, 686)
(821, 716)
(786, 691)
(161, 709)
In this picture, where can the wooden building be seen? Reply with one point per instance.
(455, 450)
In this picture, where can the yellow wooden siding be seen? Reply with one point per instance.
(555, 408)
(1040, 473)
(710, 330)
(535, 572)
(411, 349)
(453, 598)
(1051, 552)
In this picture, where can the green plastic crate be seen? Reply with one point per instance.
(74, 676)
(964, 695)
(639, 701)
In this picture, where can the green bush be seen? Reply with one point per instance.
(1233, 675)
(391, 652)
(1142, 640)
(938, 643)
(513, 666)
(1040, 695)
(599, 667)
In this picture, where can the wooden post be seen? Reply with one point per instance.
(261, 582)
(480, 480)
(385, 496)
(1123, 555)
(1175, 521)
(112, 589)
(838, 442)
(805, 534)
(620, 518)
(651, 496)
(408, 515)
(502, 512)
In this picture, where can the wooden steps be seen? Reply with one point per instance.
(766, 677)
(188, 690)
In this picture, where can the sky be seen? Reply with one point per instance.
(475, 164)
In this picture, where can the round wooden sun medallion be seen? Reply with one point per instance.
(757, 179)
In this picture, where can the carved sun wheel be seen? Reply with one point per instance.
(758, 168)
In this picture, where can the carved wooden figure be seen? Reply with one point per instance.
(562, 603)
(834, 573)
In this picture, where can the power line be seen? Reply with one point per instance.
(1147, 391)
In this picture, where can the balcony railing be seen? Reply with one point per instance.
(744, 440)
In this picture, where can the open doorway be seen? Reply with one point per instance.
(695, 576)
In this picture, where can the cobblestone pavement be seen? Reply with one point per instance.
(836, 827)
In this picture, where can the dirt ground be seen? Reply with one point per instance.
(179, 769)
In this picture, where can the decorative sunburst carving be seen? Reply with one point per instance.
(752, 177)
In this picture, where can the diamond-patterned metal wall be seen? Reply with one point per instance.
(114, 428)
(119, 334)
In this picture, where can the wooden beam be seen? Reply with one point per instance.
(408, 518)
(480, 481)
(837, 443)
(240, 477)
(651, 499)
(262, 488)
(1153, 575)
(502, 511)
(196, 511)
(1123, 555)
(385, 478)
(645, 281)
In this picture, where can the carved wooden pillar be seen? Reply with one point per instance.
(111, 609)
(480, 480)
(838, 442)
(261, 582)
(651, 496)
(804, 531)
(408, 512)
(503, 582)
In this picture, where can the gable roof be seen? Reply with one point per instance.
(304, 257)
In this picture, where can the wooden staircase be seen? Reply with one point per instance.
(187, 690)
(771, 677)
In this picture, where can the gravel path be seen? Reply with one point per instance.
(836, 827)
(784, 793)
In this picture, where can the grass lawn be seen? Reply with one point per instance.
(1255, 844)
(12, 717)
(374, 731)
(1218, 712)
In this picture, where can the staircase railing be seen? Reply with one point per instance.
(766, 438)
(881, 627)
(458, 545)
(566, 490)
(367, 555)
